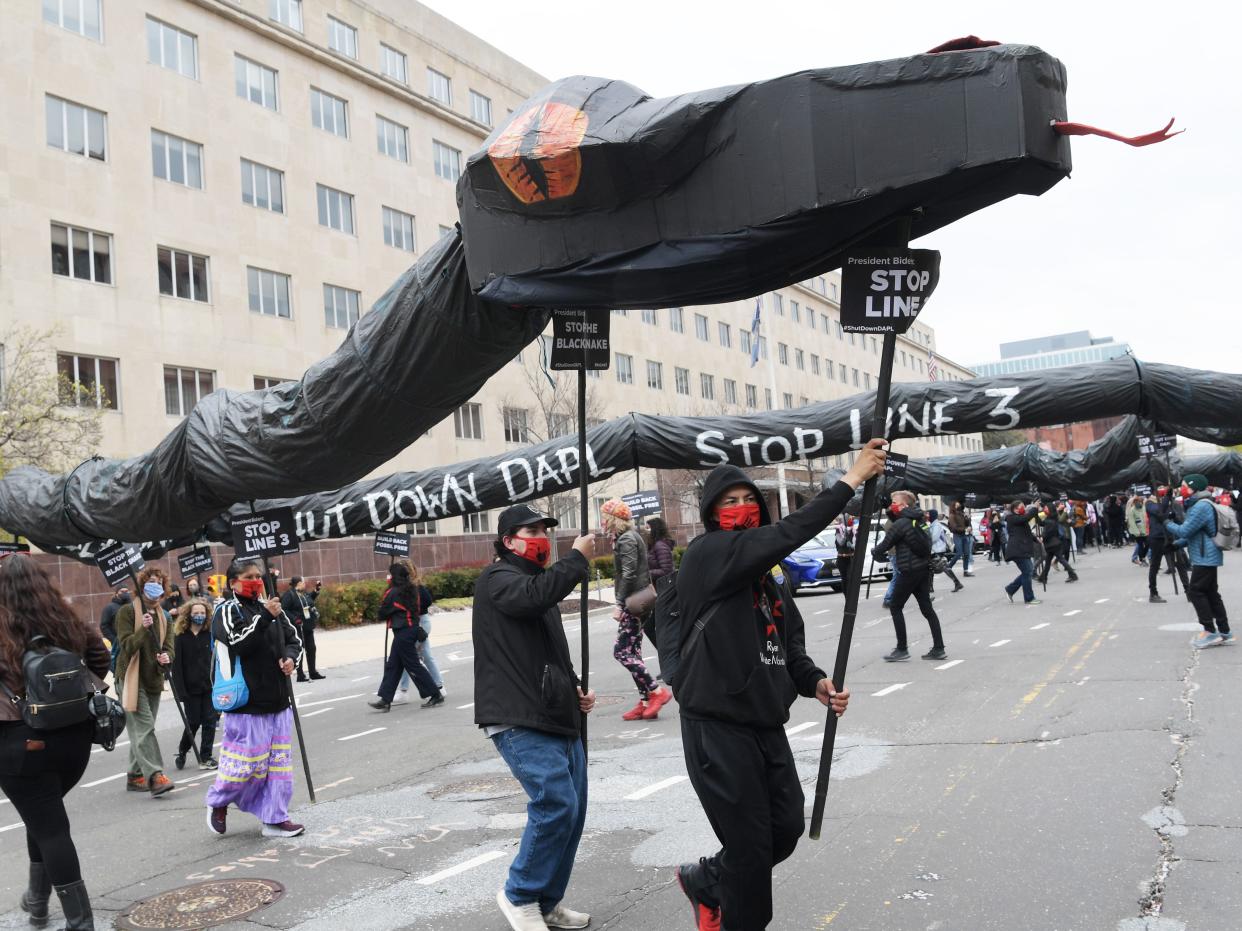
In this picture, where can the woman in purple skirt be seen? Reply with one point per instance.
(256, 754)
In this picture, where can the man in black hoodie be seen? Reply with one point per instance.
(736, 686)
(912, 540)
(529, 701)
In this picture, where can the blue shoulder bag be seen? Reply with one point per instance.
(228, 692)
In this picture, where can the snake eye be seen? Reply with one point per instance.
(538, 156)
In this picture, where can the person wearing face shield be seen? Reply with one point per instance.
(191, 671)
(529, 701)
(735, 688)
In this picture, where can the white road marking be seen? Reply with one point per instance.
(10, 827)
(876, 621)
(974, 643)
(655, 787)
(362, 679)
(125, 743)
(825, 611)
(313, 713)
(461, 867)
(5, 801)
(1041, 626)
(999, 643)
(457, 657)
(333, 785)
(649, 659)
(1077, 610)
(950, 664)
(327, 701)
(890, 690)
(374, 730)
(1113, 636)
(464, 707)
(798, 728)
(1083, 680)
(99, 782)
(1100, 601)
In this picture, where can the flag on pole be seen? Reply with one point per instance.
(754, 332)
(933, 373)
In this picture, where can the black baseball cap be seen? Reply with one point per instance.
(521, 515)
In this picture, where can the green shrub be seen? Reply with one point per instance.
(453, 583)
(678, 552)
(604, 565)
(350, 603)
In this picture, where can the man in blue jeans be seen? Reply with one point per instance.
(528, 700)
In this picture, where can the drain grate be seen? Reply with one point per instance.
(203, 905)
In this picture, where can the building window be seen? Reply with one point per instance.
(255, 82)
(516, 430)
(655, 375)
(447, 161)
(263, 382)
(340, 307)
(650, 316)
(832, 290)
(262, 186)
(856, 380)
(726, 335)
(842, 371)
(286, 12)
(700, 327)
(763, 346)
(342, 38)
(177, 160)
(787, 398)
(392, 139)
(794, 313)
(707, 386)
(560, 424)
(424, 528)
(830, 369)
(799, 360)
(682, 379)
(814, 364)
(329, 113)
(80, 16)
(439, 87)
(448, 231)
(866, 379)
(182, 274)
(74, 128)
(803, 401)
(752, 397)
(171, 48)
(480, 108)
(87, 381)
(823, 319)
(398, 229)
(625, 369)
(82, 254)
(475, 523)
(778, 301)
(393, 64)
(183, 388)
(730, 391)
(269, 292)
(676, 320)
(336, 208)
(767, 398)
(743, 339)
(468, 421)
(782, 353)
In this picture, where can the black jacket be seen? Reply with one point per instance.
(912, 541)
(400, 610)
(1157, 514)
(191, 666)
(523, 672)
(1051, 531)
(107, 620)
(745, 670)
(261, 641)
(1021, 541)
(300, 610)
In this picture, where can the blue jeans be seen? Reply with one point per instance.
(892, 583)
(1023, 581)
(963, 549)
(424, 653)
(553, 771)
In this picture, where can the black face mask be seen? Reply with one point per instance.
(125, 598)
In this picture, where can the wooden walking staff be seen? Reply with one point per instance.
(873, 293)
(584, 516)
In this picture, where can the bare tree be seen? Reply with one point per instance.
(46, 418)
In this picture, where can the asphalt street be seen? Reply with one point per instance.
(1071, 767)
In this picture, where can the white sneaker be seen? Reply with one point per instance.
(401, 696)
(562, 917)
(521, 917)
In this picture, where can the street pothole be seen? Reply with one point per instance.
(478, 790)
(203, 905)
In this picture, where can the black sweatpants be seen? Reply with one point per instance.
(404, 656)
(199, 713)
(916, 585)
(1051, 557)
(1162, 552)
(1205, 596)
(307, 631)
(748, 785)
(36, 781)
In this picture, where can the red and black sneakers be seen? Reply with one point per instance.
(706, 918)
(217, 819)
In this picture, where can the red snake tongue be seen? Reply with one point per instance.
(1082, 129)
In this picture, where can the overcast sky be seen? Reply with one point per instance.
(1138, 244)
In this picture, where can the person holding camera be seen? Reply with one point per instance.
(299, 606)
(145, 634)
(39, 768)
(402, 609)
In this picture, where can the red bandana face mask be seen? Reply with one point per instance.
(249, 588)
(538, 549)
(738, 516)
(895, 510)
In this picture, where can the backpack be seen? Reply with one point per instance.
(1226, 536)
(58, 687)
(666, 622)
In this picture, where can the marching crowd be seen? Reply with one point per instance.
(736, 663)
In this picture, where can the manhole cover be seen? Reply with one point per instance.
(202, 905)
(480, 789)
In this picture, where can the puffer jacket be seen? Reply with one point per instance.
(660, 562)
(909, 535)
(1197, 530)
(630, 565)
(1136, 521)
(1021, 543)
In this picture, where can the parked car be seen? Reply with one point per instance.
(814, 564)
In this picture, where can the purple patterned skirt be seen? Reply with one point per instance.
(256, 766)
